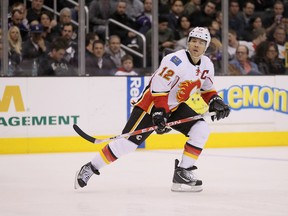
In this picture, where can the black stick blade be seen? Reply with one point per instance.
(83, 134)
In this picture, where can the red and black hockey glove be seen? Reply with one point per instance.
(217, 105)
(159, 119)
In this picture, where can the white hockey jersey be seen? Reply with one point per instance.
(176, 79)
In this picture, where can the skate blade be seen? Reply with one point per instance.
(76, 184)
(185, 188)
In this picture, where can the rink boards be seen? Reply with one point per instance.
(37, 114)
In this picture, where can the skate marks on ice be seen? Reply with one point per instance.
(245, 181)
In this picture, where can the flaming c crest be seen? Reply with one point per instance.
(185, 89)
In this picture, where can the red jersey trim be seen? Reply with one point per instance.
(207, 95)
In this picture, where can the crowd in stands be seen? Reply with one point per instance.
(257, 35)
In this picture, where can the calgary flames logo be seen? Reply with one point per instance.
(185, 89)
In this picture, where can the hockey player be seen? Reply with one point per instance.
(180, 75)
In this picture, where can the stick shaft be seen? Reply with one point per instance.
(140, 131)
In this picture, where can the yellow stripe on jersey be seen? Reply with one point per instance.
(159, 94)
(150, 108)
(138, 121)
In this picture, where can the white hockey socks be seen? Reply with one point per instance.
(112, 152)
(198, 136)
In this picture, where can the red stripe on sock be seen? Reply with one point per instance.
(108, 154)
(192, 149)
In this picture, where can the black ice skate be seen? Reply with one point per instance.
(184, 180)
(84, 174)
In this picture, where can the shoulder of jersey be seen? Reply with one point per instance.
(176, 58)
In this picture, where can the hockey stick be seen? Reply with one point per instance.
(140, 131)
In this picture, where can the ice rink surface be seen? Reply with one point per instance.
(237, 182)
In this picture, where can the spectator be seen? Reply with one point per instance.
(99, 12)
(166, 38)
(69, 4)
(214, 30)
(16, 19)
(255, 23)
(164, 7)
(179, 44)
(267, 59)
(184, 27)
(89, 40)
(71, 54)
(144, 21)
(64, 18)
(263, 5)
(33, 13)
(114, 50)
(242, 62)
(127, 67)
(191, 6)
(20, 6)
(134, 8)
(205, 16)
(148, 9)
(14, 51)
(235, 22)
(54, 63)
(279, 37)
(233, 43)
(48, 23)
(100, 64)
(284, 23)
(247, 12)
(272, 20)
(176, 11)
(259, 35)
(128, 38)
(33, 48)
(214, 51)
(219, 19)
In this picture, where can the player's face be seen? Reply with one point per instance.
(196, 47)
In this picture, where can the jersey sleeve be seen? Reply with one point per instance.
(163, 80)
(208, 89)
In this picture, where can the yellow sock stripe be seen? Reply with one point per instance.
(190, 155)
(104, 157)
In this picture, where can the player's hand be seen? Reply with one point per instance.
(217, 105)
(159, 119)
